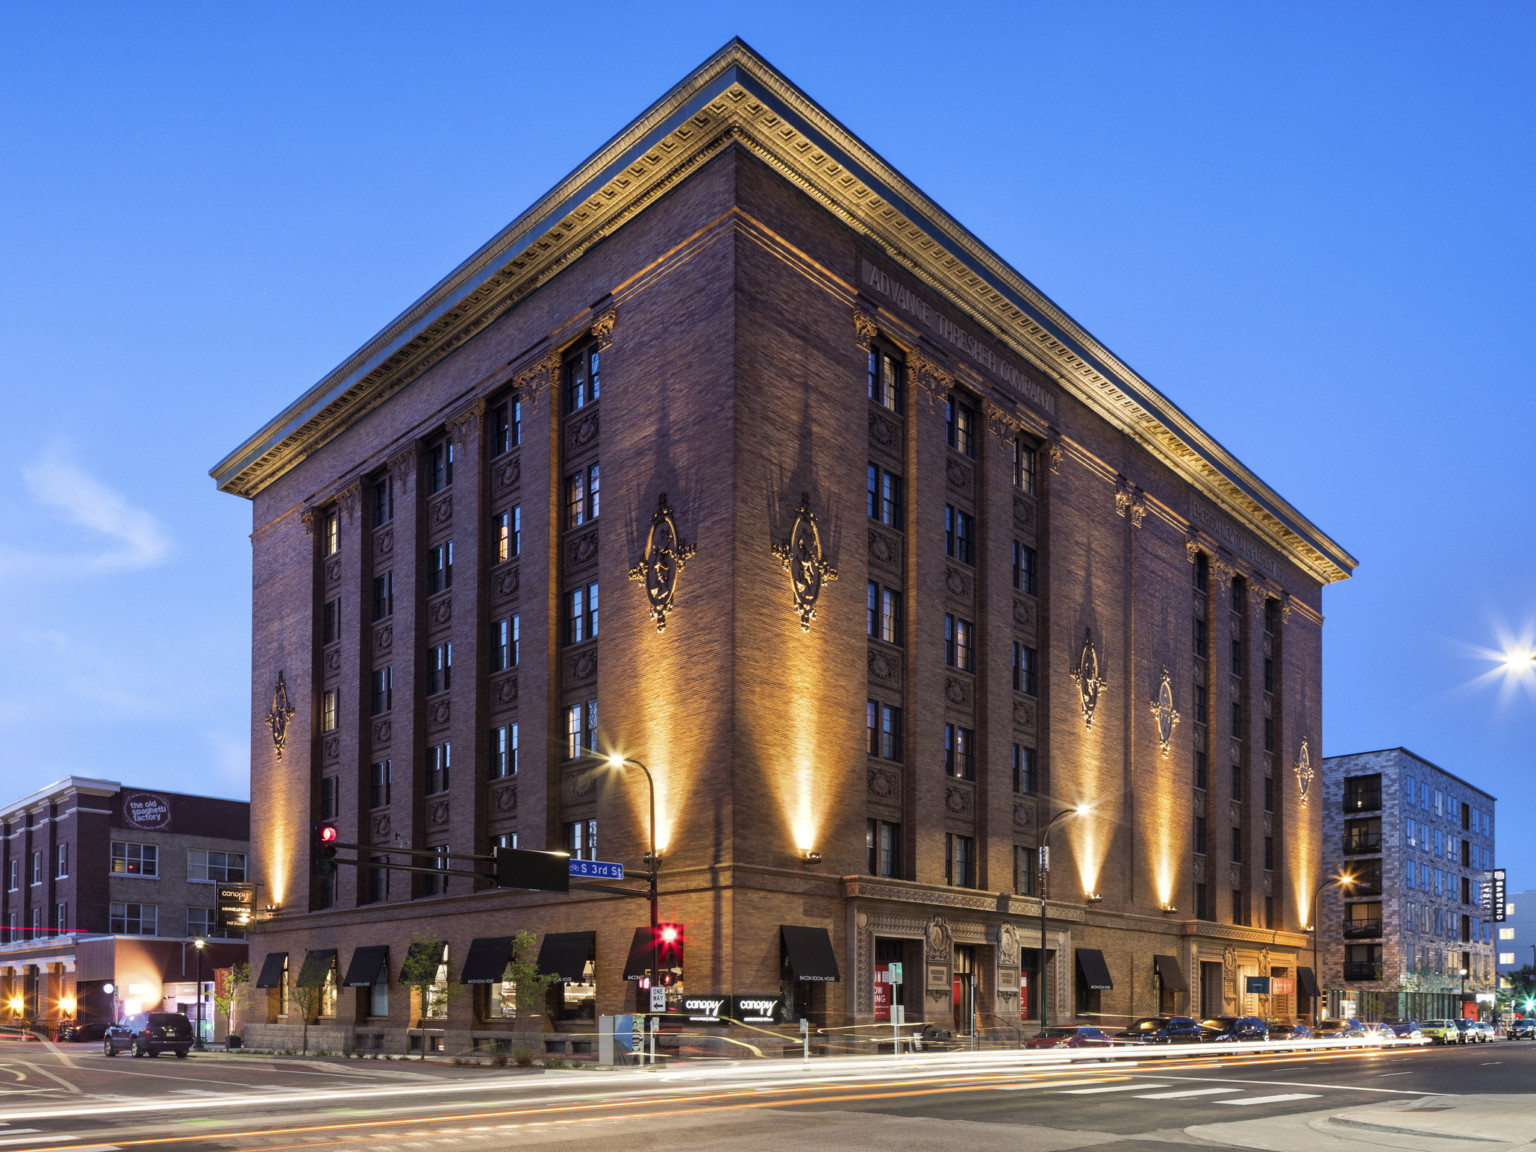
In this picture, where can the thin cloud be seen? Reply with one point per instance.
(134, 538)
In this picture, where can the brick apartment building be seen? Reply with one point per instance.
(894, 562)
(110, 885)
(1418, 842)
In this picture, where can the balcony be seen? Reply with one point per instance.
(1362, 929)
(1361, 971)
(1368, 884)
(1363, 801)
(1357, 843)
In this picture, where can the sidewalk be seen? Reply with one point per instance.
(1426, 1124)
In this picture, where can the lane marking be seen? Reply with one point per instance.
(1394, 1073)
(1296, 1084)
(1112, 1088)
(40, 1140)
(1191, 1092)
(1271, 1099)
(1038, 1084)
(1486, 1063)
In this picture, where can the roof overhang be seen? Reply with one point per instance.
(736, 98)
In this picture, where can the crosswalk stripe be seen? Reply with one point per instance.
(1191, 1092)
(1113, 1088)
(1271, 1099)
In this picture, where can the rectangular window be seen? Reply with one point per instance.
(959, 751)
(61, 918)
(1269, 734)
(960, 860)
(882, 842)
(959, 535)
(503, 743)
(885, 378)
(1024, 463)
(1239, 595)
(215, 867)
(1237, 657)
(1269, 674)
(958, 650)
(380, 777)
(383, 501)
(330, 799)
(1200, 834)
(884, 724)
(1200, 770)
(60, 861)
(884, 497)
(1269, 911)
(583, 383)
(15, 876)
(960, 428)
(1024, 669)
(581, 839)
(1269, 793)
(383, 595)
(1237, 719)
(331, 540)
(134, 919)
(440, 568)
(383, 689)
(439, 763)
(581, 614)
(439, 466)
(439, 668)
(1271, 615)
(505, 643)
(330, 616)
(1202, 903)
(1237, 781)
(581, 730)
(1237, 844)
(1200, 710)
(135, 859)
(1023, 870)
(1200, 638)
(506, 427)
(1239, 913)
(1269, 852)
(1409, 785)
(1026, 776)
(1024, 569)
(581, 496)
(330, 706)
(1202, 571)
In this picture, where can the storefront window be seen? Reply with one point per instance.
(436, 1007)
(580, 999)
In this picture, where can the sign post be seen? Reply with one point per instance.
(658, 998)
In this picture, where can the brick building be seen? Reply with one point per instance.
(894, 561)
(1418, 842)
(109, 885)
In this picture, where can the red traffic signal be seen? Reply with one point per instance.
(323, 855)
(326, 834)
(669, 954)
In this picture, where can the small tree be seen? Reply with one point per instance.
(306, 998)
(426, 970)
(529, 983)
(232, 994)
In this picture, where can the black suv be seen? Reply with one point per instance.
(1162, 1030)
(149, 1034)
(1225, 1029)
(1522, 1029)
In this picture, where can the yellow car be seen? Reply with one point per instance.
(1440, 1031)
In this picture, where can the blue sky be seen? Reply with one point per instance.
(1309, 224)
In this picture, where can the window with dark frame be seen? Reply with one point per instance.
(1269, 793)
(1237, 657)
(506, 426)
(886, 371)
(380, 778)
(505, 643)
(383, 501)
(1269, 852)
(882, 842)
(1269, 674)
(1237, 719)
(1202, 903)
(330, 798)
(503, 752)
(959, 860)
(439, 466)
(330, 541)
(580, 837)
(1200, 776)
(883, 497)
(330, 709)
(440, 568)
(959, 643)
(383, 689)
(1202, 571)
(580, 730)
(959, 752)
(581, 614)
(1025, 564)
(583, 382)
(1237, 843)
(1200, 708)
(959, 535)
(960, 426)
(1024, 664)
(1239, 913)
(884, 724)
(330, 621)
(439, 668)
(439, 765)
(1237, 781)
(383, 595)
(581, 496)
(1024, 464)
(1024, 859)
(1200, 638)
(1200, 842)
(1026, 775)
(1271, 615)
(1269, 734)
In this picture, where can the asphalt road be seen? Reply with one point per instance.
(72, 1097)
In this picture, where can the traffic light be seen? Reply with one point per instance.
(669, 954)
(535, 871)
(323, 853)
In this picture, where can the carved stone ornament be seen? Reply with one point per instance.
(582, 666)
(307, 518)
(958, 475)
(957, 691)
(1008, 946)
(506, 690)
(958, 800)
(882, 783)
(864, 327)
(578, 784)
(332, 747)
(1023, 815)
(1051, 450)
(439, 712)
(584, 431)
(884, 666)
(277, 719)
(505, 799)
(438, 813)
(1086, 675)
(1162, 711)
(1304, 773)
(883, 431)
(384, 543)
(463, 425)
(602, 328)
(1130, 503)
(1191, 549)
(507, 582)
(803, 558)
(381, 826)
(442, 511)
(1023, 512)
(347, 499)
(937, 941)
(882, 549)
(531, 380)
(509, 472)
(666, 554)
(1024, 614)
(931, 377)
(382, 731)
(383, 637)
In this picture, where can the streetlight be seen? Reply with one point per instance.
(1461, 1003)
(1045, 869)
(199, 944)
(653, 863)
(1344, 881)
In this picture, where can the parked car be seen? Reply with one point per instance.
(149, 1034)
(1441, 1031)
(1468, 1030)
(1521, 1029)
(1071, 1036)
(1484, 1031)
(1381, 1032)
(1162, 1030)
(1339, 1029)
(1279, 1030)
(1407, 1031)
(75, 1032)
(1227, 1029)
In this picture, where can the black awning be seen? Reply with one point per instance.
(272, 970)
(640, 953)
(1090, 962)
(419, 954)
(808, 953)
(368, 964)
(318, 963)
(487, 960)
(1308, 981)
(1170, 973)
(565, 954)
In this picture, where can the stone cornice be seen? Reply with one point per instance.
(736, 98)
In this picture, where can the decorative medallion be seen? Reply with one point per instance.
(938, 941)
(582, 666)
(584, 548)
(383, 637)
(381, 825)
(1024, 614)
(958, 475)
(1086, 675)
(382, 731)
(584, 431)
(439, 712)
(509, 473)
(957, 583)
(578, 783)
(958, 800)
(442, 511)
(1024, 713)
(442, 611)
(332, 747)
(505, 799)
(384, 542)
(666, 553)
(882, 431)
(882, 549)
(957, 692)
(805, 562)
(884, 666)
(1023, 512)
(506, 690)
(438, 813)
(882, 783)
(333, 570)
(282, 712)
(1304, 773)
(507, 582)
(1023, 816)
(1163, 713)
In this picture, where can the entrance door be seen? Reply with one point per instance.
(965, 987)
(1211, 1003)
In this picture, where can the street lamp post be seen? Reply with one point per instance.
(1045, 869)
(199, 944)
(653, 861)
(1461, 999)
(1345, 881)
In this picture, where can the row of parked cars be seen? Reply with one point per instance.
(1237, 1029)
